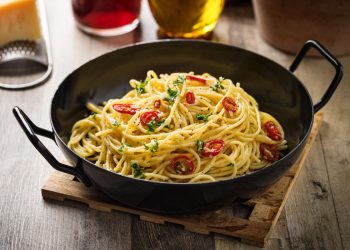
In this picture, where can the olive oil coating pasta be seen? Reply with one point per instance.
(181, 128)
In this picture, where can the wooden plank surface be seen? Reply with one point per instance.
(316, 216)
(262, 212)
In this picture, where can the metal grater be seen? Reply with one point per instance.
(23, 50)
(35, 51)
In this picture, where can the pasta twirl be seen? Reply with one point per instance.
(179, 127)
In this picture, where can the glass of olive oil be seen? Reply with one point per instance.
(186, 18)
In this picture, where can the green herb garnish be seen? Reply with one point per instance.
(141, 88)
(172, 94)
(152, 146)
(123, 146)
(116, 124)
(152, 125)
(201, 117)
(92, 116)
(200, 145)
(218, 85)
(136, 170)
(180, 80)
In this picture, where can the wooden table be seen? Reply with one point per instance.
(316, 216)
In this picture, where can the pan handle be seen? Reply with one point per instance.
(31, 130)
(331, 59)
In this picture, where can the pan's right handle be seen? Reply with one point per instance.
(30, 129)
(330, 58)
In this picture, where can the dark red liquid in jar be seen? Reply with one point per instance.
(106, 14)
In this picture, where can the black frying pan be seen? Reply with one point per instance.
(276, 89)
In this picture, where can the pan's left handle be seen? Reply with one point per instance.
(31, 130)
(331, 59)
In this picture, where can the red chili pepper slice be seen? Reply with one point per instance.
(190, 97)
(269, 152)
(212, 148)
(157, 104)
(196, 78)
(229, 104)
(272, 131)
(125, 108)
(182, 164)
(149, 116)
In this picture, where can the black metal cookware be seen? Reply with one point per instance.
(276, 89)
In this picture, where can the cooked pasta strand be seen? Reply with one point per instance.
(120, 136)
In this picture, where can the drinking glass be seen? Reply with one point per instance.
(186, 18)
(106, 17)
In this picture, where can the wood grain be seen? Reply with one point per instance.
(335, 145)
(254, 228)
(28, 222)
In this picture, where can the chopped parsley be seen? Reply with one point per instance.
(200, 145)
(152, 125)
(218, 85)
(180, 80)
(116, 124)
(141, 88)
(92, 116)
(152, 146)
(123, 146)
(201, 117)
(136, 170)
(172, 94)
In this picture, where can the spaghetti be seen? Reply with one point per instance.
(179, 127)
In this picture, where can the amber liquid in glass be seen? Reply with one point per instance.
(186, 18)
